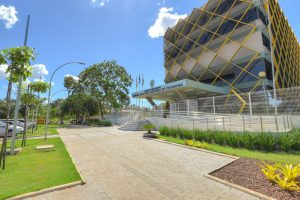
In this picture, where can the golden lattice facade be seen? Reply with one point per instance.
(286, 49)
(226, 43)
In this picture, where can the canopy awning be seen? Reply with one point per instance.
(181, 90)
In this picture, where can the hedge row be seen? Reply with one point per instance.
(253, 141)
(97, 122)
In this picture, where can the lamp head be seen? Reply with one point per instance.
(262, 75)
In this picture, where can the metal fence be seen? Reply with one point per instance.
(206, 121)
(284, 102)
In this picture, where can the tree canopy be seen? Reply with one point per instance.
(18, 60)
(106, 82)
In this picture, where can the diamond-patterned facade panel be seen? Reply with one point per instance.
(215, 45)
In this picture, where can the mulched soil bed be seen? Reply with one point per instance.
(246, 173)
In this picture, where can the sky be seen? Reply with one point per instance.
(91, 31)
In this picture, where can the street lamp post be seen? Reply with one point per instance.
(262, 76)
(49, 94)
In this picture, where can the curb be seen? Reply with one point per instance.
(79, 172)
(197, 149)
(243, 189)
(44, 191)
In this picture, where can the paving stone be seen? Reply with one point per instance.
(122, 165)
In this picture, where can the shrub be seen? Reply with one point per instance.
(219, 138)
(104, 123)
(266, 141)
(289, 172)
(188, 135)
(259, 141)
(286, 142)
(207, 136)
(287, 185)
(232, 139)
(284, 175)
(163, 130)
(97, 122)
(149, 127)
(247, 140)
(196, 144)
(270, 171)
(296, 142)
(198, 135)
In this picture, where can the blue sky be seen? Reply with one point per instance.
(83, 30)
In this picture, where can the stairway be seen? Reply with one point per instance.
(136, 125)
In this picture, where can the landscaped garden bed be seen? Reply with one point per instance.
(247, 173)
(33, 170)
(279, 180)
(268, 142)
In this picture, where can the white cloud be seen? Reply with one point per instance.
(164, 20)
(99, 3)
(8, 15)
(3, 71)
(39, 71)
(76, 78)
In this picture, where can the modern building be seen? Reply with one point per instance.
(228, 47)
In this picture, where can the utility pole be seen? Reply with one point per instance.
(13, 139)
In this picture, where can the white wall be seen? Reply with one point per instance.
(296, 121)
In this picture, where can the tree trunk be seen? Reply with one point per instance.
(36, 117)
(25, 127)
(101, 111)
(33, 122)
(16, 116)
(4, 143)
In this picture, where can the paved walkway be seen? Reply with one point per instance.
(123, 165)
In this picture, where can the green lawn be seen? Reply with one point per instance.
(273, 157)
(52, 130)
(32, 171)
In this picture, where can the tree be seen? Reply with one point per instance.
(38, 87)
(80, 105)
(56, 109)
(28, 100)
(3, 108)
(18, 60)
(70, 83)
(107, 83)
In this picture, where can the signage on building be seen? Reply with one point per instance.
(169, 86)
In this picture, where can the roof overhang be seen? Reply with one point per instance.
(179, 90)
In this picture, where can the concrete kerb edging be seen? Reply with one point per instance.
(243, 189)
(44, 191)
(78, 170)
(55, 188)
(197, 149)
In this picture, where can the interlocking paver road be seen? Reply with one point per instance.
(123, 165)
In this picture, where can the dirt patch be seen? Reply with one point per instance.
(246, 173)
